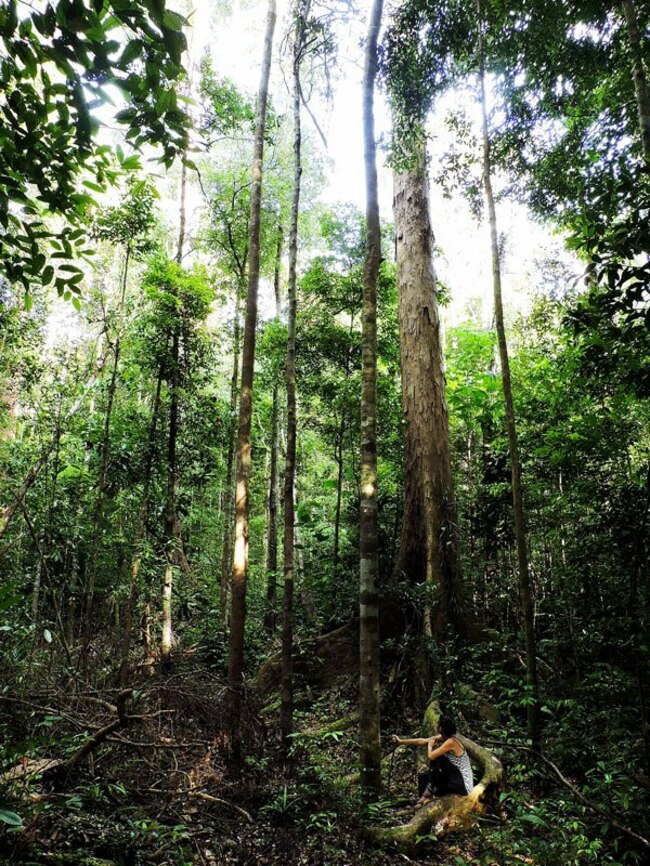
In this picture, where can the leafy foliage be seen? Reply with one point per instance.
(58, 67)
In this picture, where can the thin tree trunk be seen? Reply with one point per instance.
(36, 590)
(172, 523)
(181, 221)
(429, 543)
(103, 470)
(369, 733)
(240, 557)
(270, 620)
(141, 526)
(339, 495)
(227, 535)
(172, 530)
(640, 78)
(286, 714)
(525, 584)
(639, 626)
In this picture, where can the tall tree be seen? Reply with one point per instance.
(272, 551)
(368, 595)
(525, 583)
(299, 46)
(172, 523)
(240, 558)
(429, 545)
(417, 71)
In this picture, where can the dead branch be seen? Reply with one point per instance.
(202, 796)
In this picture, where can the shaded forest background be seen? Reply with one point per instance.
(128, 733)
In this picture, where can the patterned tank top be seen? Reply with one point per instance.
(462, 764)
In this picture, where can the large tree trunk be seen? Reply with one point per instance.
(240, 558)
(525, 586)
(286, 716)
(369, 734)
(429, 544)
(640, 78)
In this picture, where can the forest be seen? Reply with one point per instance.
(324, 432)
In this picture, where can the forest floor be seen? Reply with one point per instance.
(159, 785)
(162, 789)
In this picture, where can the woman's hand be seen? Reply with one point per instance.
(396, 740)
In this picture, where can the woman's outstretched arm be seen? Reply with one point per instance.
(415, 741)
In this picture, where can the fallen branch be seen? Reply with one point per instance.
(575, 791)
(196, 744)
(212, 799)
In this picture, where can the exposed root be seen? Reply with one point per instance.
(450, 812)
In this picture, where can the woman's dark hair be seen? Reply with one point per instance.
(447, 726)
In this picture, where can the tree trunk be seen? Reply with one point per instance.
(172, 523)
(640, 78)
(172, 528)
(369, 735)
(525, 587)
(429, 543)
(240, 558)
(270, 620)
(227, 536)
(141, 525)
(286, 715)
(339, 494)
(103, 471)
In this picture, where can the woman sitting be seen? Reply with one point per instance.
(450, 771)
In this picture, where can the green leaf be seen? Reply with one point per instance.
(132, 51)
(47, 634)
(10, 818)
(174, 21)
(534, 819)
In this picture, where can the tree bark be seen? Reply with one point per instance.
(429, 543)
(369, 699)
(639, 73)
(525, 584)
(240, 558)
